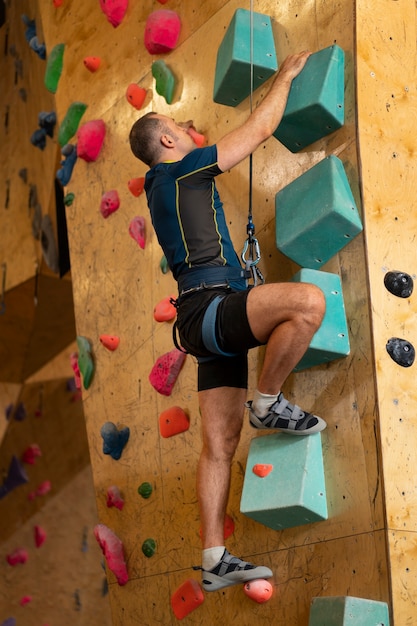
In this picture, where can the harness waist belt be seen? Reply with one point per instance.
(200, 277)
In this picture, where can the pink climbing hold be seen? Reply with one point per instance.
(162, 31)
(112, 549)
(110, 202)
(92, 63)
(25, 600)
(162, 1)
(165, 371)
(137, 230)
(111, 342)
(165, 311)
(114, 498)
(90, 138)
(136, 95)
(259, 590)
(76, 369)
(262, 469)
(44, 488)
(136, 186)
(39, 535)
(31, 454)
(114, 10)
(17, 557)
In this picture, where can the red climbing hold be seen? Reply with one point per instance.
(162, 1)
(114, 10)
(110, 202)
(173, 421)
(136, 186)
(111, 342)
(165, 311)
(17, 557)
(114, 498)
(31, 453)
(259, 590)
(39, 535)
(262, 469)
(198, 138)
(186, 598)
(25, 600)
(92, 63)
(112, 549)
(166, 370)
(137, 230)
(162, 30)
(90, 138)
(136, 95)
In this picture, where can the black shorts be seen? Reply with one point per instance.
(232, 332)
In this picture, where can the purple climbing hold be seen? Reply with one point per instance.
(20, 412)
(114, 440)
(16, 476)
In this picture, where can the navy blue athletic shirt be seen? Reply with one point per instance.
(187, 213)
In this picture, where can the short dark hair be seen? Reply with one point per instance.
(144, 139)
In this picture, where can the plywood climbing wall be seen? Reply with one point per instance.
(116, 284)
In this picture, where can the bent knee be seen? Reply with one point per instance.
(316, 304)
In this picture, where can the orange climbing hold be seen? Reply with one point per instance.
(136, 186)
(262, 469)
(165, 311)
(198, 138)
(92, 63)
(111, 342)
(173, 421)
(259, 590)
(186, 598)
(136, 95)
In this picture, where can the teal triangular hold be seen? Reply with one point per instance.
(348, 611)
(316, 214)
(315, 106)
(232, 83)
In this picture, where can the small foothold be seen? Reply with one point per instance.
(136, 186)
(136, 95)
(137, 230)
(186, 598)
(114, 10)
(31, 453)
(53, 69)
(399, 284)
(43, 488)
(20, 412)
(173, 421)
(149, 547)
(164, 80)
(112, 549)
(17, 557)
(39, 536)
(85, 360)
(38, 138)
(110, 202)
(164, 265)
(262, 469)
(401, 351)
(145, 490)
(166, 370)
(114, 498)
(165, 311)
(114, 440)
(259, 590)
(71, 121)
(198, 138)
(10, 621)
(69, 199)
(69, 152)
(90, 137)
(92, 64)
(111, 342)
(25, 600)
(162, 30)
(47, 121)
(75, 369)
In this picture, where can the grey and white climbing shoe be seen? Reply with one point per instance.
(287, 418)
(231, 571)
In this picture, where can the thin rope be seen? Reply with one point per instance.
(251, 109)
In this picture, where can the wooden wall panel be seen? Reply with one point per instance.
(116, 285)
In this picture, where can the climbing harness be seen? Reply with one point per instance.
(251, 254)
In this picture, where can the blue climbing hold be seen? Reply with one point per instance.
(114, 440)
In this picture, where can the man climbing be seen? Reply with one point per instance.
(219, 318)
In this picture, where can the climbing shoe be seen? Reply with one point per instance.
(287, 418)
(231, 571)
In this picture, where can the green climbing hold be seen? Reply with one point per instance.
(85, 361)
(145, 490)
(164, 265)
(69, 198)
(165, 81)
(54, 67)
(70, 122)
(149, 547)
